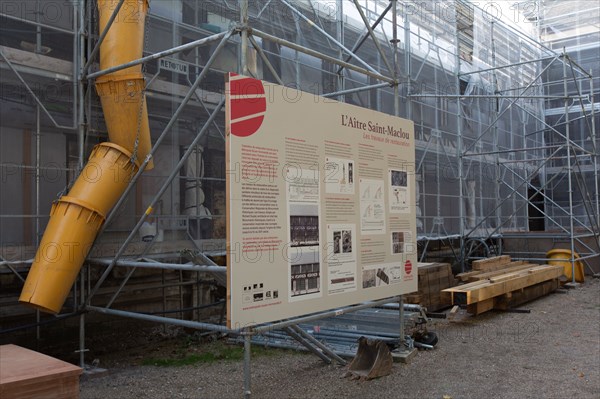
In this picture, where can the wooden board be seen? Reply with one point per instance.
(467, 275)
(495, 269)
(491, 264)
(26, 374)
(509, 268)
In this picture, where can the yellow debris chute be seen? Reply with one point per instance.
(76, 218)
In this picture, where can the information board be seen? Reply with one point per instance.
(320, 203)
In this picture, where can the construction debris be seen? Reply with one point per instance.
(453, 312)
(499, 283)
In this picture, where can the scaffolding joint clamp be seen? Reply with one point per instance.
(239, 28)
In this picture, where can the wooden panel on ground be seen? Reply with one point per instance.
(26, 374)
(453, 312)
(433, 279)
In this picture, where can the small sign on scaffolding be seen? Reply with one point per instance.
(173, 66)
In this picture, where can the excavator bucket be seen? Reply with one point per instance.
(373, 360)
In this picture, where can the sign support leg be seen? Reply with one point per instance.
(401, 309)
(247, 382)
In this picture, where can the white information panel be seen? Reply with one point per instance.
(321, 203)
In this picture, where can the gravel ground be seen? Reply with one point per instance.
(552, 352)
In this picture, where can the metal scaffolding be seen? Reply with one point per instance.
(505, 127)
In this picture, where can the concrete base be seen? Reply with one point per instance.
(404, 355)
(90, 372)
(571, 285)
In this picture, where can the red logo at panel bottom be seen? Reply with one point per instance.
(408, 267)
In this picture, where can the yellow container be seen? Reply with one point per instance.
(562, 257)
(124, 41)
(126, 113)
(104, 178)
(67, 240)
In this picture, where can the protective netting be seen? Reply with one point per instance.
(472, 84)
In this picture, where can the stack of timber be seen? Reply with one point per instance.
(26, 374)
(433, 278)
(499, 283)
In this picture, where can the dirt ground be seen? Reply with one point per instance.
(551, 352)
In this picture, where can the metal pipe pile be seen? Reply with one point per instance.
(341, 333)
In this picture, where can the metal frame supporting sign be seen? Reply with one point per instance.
(321, 203)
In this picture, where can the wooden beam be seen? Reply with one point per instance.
(481, 307)
(467, 275)
(527, 294)
(482, 290)
(510, 267)
(491, 264)
(480, 283)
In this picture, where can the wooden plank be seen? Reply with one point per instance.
(491, 264)
(479, 283)
(475, 275)
(481, 306)
(467, 286)
(509, 269)
(27, 374)
(466, 275)
(508, 276)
